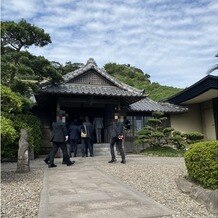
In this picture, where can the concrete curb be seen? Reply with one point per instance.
(43, 209)
(208, 197)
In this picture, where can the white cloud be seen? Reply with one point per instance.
(213, 6)
(12, 9)
(173, 41)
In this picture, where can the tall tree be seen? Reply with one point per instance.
(17, 62)
(22, 35)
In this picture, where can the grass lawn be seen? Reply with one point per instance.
(162, 152)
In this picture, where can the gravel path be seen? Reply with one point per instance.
(20, 193)
(155, 176)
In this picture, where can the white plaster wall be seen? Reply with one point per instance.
(188, 122)
(208, 121)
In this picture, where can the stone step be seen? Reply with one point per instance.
(102, 149)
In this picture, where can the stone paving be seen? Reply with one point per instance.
(82, 191)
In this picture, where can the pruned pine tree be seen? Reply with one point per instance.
(155, 133)
(17, 63)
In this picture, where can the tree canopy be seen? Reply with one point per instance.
(128, 74)
(22, 35)
(69, 67)
(137, 78)
(18, 63)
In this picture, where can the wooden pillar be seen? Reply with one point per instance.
(58, 107)
(59, 153)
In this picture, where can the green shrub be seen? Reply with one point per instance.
(10, 101)
(8, 137)
(33, 125)
(21, 87)
(202, 163)
(179, 140)
(193, 137)
(162, 151)
(11, 134)
(158, 114)
(8, 133)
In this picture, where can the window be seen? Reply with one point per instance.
(138, 123)
(130, 131)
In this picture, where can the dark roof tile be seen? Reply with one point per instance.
(148, 105)
(88, 89)
(119, 88)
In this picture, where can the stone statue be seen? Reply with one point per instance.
(23, 162)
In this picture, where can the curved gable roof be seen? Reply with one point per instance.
(79, 82)
(209, 82)
(91, 65)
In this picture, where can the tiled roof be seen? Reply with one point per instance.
(148, 105)
(88, 90)
(116, 89)
(92, 65)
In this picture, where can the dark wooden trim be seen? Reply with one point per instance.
(215, 111)
(205, 84)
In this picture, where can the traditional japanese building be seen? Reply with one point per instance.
(91, 92)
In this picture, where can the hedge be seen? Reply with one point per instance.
(11, 102)
(8, 133)
(33, 125)
(202, 163)
(10, 142)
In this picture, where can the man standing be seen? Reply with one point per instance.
(98, 123)
(59, 138)
(74, 134)
(116, 137)
(92, 138)
(86, 129)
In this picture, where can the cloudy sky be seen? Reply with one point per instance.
(174, 41)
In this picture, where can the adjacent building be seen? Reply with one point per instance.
(201, 99)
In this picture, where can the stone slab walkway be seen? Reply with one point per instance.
(82, 191)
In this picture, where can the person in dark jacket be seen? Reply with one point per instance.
(74, 135)
(59, 138)
(116, 137)
(47, 158)
(92, 138)
(86, 128)
(127, 124)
